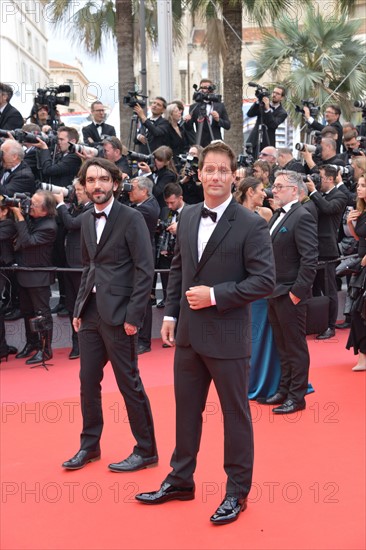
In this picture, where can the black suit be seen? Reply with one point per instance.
(161, 178)
(223, 122)
(272, 119)
(157, 134)
(20, 180)
(330, 209)
(91, 134)
(62, 171)
(213, 343)
(315, 125)
(295, 243)
(120, 267)
(10, 118)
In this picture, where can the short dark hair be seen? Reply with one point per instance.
(98, 102)
(350, 135)
(281, 88)
(218, 146)
(172, 188)
(329, 170)
(335, 108)
(107, 165)
(6, 89)
(164, 102)
(72, 133)
(329, 130)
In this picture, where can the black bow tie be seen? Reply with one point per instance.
(99, 125)
(205, 213)
(281, 211)
(99, 215)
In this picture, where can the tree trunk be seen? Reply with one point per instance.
(124, 37)
(233, 75)
(213, 55)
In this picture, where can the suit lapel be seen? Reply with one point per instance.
(285, 217)
(108, 226)
(193, 233)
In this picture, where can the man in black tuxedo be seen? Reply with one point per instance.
(10, 117)
(154, 131)
(114, 151)
(115, 288)
(34, 243)
(94, 132)
(223, 261)
(295, 245)
(331, 203)
(15, 175)
(144, 201)
(273, 115)
(331, 115)
(212, 114)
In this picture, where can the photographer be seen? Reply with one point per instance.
(154, 131)
(212, 114)
(270, 113)
(114, 151)
(94, 132)
(331, 115)
(352, 146)
(286, 161)
(15, 175)
(34, 243)
(163, 173)
(10, 117)
(190, 184)
(328, 155)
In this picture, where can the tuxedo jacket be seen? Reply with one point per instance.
(10, 118)
(91, 134)
(156, 132)
(161, 178)
(238, 263)
(295, 248)
(223, 122)
(62, 171)
(20, 180)
(272, 120)
(330, 209)
(72, 224)
(7, 234)
(33, 248)
(150, 210)
(120, 266)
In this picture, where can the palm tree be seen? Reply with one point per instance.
(319, 58)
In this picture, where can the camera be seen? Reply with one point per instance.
(305, 147)
(28, 137)
(79, 148)
(314, 177)
(139, 157)
(313, 108)
(360, 104)
(134, 98)
(209, 97)
(19, 200)
(126, 186)
(66, 191)
(246, 159)
(38, 324)
(50, 96)
(260, 92)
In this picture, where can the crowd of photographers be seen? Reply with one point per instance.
(42, 201)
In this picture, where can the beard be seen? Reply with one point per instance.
(98, 196)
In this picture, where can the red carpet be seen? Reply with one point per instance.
(309, 478)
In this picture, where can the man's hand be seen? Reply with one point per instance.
(17, 213)
(266, 104)
(40, 144)
(140, 113)
(76, 323)
(144, 167)
(294, 299)
(310, 185)
(172, 228)
(130, 330)
(215, 116)
(167, 333)
(85, 155)
(59, 197)
(199, 297)
(187, 118)
(141, 138)
(308, 157)
(306, 112)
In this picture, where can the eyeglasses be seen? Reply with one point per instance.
(280, 186)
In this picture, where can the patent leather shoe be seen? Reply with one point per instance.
(229, 510)
(74, 353)
(81, 459)
(12, 350)
(39, 357)
(289, 407)
(26, 351)
(276, 399)
(142, 349)
(344, 325)
(329, 333)
(165, 493)
(161, 304)
(133, 463)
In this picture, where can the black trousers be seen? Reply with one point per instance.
(35, 301)
(329, 288)
(289, 330)
(193, 374)
(99, 342)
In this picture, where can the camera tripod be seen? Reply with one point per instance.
(131, 142)
(202, 117)
(262, 137)
(42, 338)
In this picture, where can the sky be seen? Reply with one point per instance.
(102, 74)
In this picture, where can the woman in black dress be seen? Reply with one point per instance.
(357, 224)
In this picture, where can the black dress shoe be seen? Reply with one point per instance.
(12, 350)
(58, 307)
(13, 315)
(229, 510)
(26, 351)
(81, 459)
(329, 333)
(275, 399)
(142, 349)
(160, 304)
(165, 493)
(39, 357)
(74, 353)
(289, 407)
(133, 463)
(63, 312)
(345, 324)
